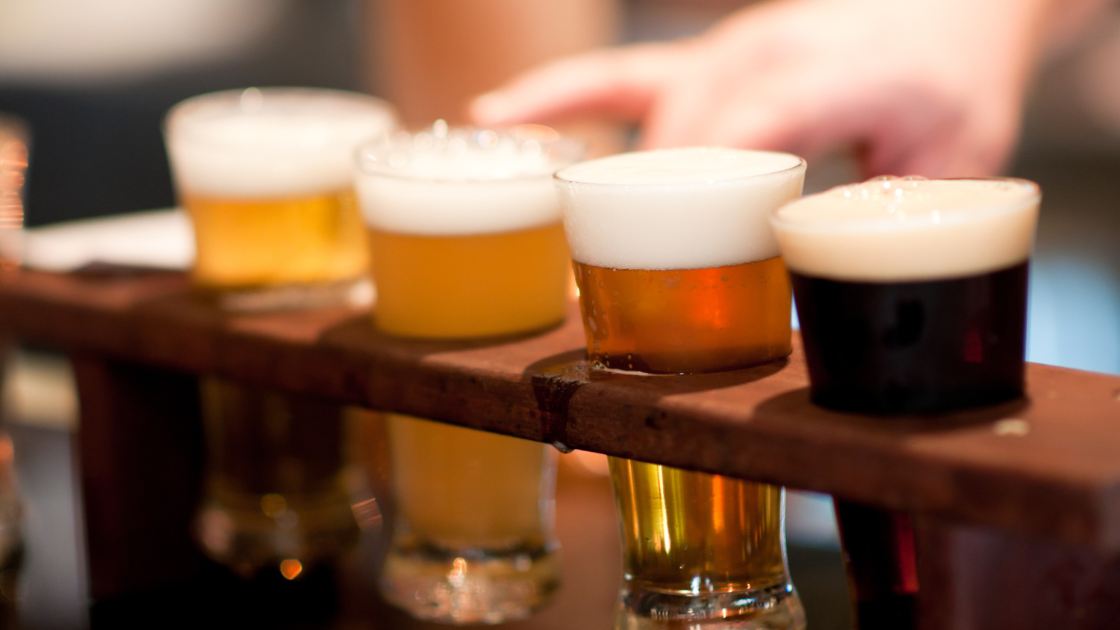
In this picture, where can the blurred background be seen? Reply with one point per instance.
(93, 80)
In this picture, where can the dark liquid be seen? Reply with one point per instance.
(914, 347)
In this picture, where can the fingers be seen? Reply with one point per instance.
(619, 82)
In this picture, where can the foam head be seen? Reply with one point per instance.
(272, 142)
(445, 182)
(909, 229)
(690, 208)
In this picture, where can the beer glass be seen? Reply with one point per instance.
(265, 176)
(465, 233)
(912, 298)
(679, 272)
(912, 293)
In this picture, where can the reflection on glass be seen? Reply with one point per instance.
(276, 485)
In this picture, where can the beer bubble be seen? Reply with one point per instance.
(457, 147)
(423, 142)
(487, 139)
(251, 100)
(1012, 426)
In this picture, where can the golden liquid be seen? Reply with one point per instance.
(317, 239)
(689, 532)
(268, 448)
(686, 320)
(454, 486)
(463, 488)
(470, 286)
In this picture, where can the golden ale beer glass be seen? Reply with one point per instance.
(265, 175)
(266, 178)
(679, 272)
(465, 231)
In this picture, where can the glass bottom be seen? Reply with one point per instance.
(470, 585)
(775, 607)
(354, 293)
(240, 535)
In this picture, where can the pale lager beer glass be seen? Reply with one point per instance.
(465, 233)
(679, 272)
(266, 178)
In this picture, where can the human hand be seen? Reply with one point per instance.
(926, 87)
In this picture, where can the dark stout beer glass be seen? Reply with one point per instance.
(912, 299)
(679, 273)
(912, 293)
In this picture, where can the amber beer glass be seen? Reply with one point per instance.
(679, 272)
(465, 232)
(266, 178)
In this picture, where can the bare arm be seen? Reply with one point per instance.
(930, 87)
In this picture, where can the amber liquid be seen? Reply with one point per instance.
(688, 533)
(686, 320)
(317, 239)
(470, 286)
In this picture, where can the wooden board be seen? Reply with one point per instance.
(1048, 465)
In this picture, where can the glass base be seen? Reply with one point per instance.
(470, 586)
(356, 293)
(293, 539)
(773, 608)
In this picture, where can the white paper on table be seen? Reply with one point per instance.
(161, 239)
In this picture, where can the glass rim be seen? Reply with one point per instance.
(1033, 197)
(178, 115)
(801, 164)
(572, 149)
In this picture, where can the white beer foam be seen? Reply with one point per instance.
(273, 142)
(689, 208)
(461, 181)
(904, 229)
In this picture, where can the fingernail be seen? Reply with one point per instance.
(490, 108)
